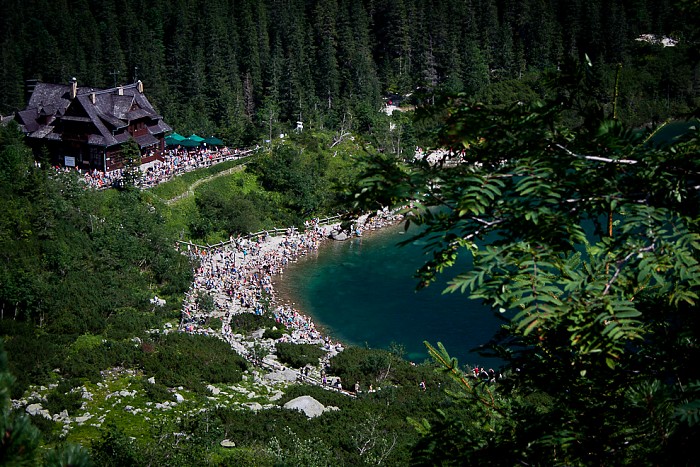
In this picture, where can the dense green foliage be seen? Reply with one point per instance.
(596, 225)
(21, 439)
(587, 232)
(181, 184)
(255, 67)
(190, 359)
(299, 355)
(245, 323)
(303, 176)
(73, 256)
(368, 430)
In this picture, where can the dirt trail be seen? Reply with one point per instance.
(191, 188)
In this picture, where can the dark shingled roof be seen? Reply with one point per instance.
(146, 140)
(104, 114)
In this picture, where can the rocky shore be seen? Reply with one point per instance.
(238, 277)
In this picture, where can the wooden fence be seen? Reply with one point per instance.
(271, 232)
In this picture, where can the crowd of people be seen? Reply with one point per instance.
(174, 162)
(238, 276)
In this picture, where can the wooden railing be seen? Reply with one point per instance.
(254, 235)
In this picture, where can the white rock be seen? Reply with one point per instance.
(179, 398)
(277, 395)
(152, 380)
(254, 406)
(307, 404)
(214, 390)
(83, 419)
(227, 443)
(34, 409)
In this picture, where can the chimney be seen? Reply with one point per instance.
(93, 98)
(139, 86)
(73, 88)
(120, 91)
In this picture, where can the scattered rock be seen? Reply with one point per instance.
(152, 380)
(179, 398)
(214, 390)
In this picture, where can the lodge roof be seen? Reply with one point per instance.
(101, 114)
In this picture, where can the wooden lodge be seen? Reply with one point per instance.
(87, 128)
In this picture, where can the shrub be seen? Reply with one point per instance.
(273, 334)
(62, 397)
(299, 355)
(246, 323)
(157, 392)
(128, 322)
(369, 366)
(31, 357)
(186, 360)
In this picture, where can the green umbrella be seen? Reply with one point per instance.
(196, 138)
(213, 141)
(175, 137)
(188, 143)
(172, 141)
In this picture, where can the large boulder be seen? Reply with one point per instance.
(288, 375)
(307, 404)
(339, 236)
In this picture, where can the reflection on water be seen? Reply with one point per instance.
(362, 292)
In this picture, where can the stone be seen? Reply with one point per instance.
(82, 419)
(152, 380)
(34, 409)
(179, 398)
(254, 406)
(227, 443)
(339, 236)
(288, 375)
(214, 390)
(277, 395)
(307, 404)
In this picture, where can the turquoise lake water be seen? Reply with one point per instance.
(362, 292)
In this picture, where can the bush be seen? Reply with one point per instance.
(157, 392)
(299, 355)
(64, 398)
(273, 334)
(369, 366)
(128, 322)
(187, 360)
(90, 354)
(31, 356)
(246, 323)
